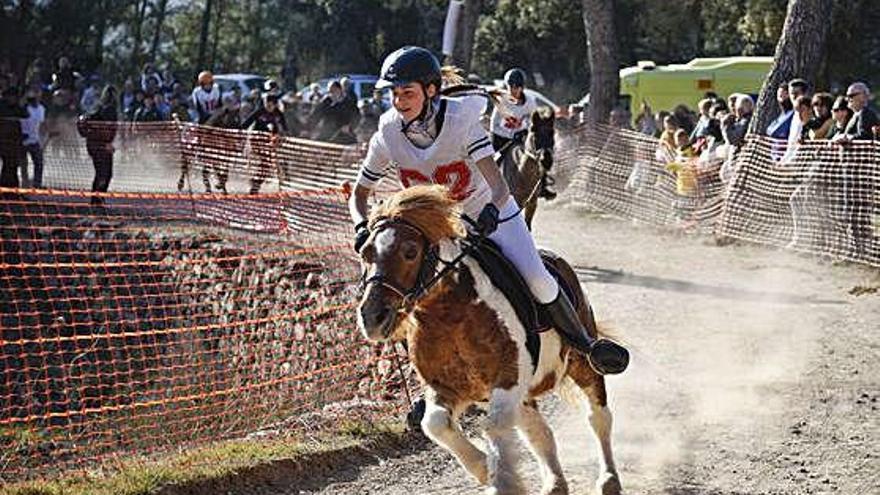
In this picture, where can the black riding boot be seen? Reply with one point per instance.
(545, 191)
(606, 357)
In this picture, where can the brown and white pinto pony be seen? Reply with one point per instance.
(468, 346)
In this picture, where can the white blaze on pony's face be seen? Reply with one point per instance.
(392, 258)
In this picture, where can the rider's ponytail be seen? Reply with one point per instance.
(454, 84)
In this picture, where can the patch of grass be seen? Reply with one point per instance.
(143, 476)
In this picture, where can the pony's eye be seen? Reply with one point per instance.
(410, 251)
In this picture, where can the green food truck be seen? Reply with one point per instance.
(664, 87)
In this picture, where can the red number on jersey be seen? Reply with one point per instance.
(512, 122)
(456, 176)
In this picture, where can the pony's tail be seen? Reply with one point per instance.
(454, 84)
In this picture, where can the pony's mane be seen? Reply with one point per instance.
(429, 208)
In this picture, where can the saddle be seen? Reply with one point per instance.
(508, 280)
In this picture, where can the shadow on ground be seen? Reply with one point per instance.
(595, 274)
(310, 472)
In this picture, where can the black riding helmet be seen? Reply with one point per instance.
(515, 77)
(407, 65)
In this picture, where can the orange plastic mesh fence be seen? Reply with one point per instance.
(171, 156)
(818, 197)
(163, 320)
(628, 174)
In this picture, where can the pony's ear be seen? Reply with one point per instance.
(537, 116)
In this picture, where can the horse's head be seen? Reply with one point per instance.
(400, 256)
(542, 136)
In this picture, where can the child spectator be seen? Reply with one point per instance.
(667, 137)
(685, 171)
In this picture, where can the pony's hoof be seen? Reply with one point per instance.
(558, 488)
(608, 484)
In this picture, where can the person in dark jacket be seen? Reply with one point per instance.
(226, 117)
(148, 112)
(99, 130)
(11, 146)
(859, 183)
(326, 118)
(270, 120)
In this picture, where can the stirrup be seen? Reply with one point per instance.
(607, 357)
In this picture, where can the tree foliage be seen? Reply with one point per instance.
(116, 37)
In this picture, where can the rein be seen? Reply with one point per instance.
(428, 275)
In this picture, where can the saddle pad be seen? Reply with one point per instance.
(506, 278)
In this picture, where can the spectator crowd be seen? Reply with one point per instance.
(700, 148)
(62, 95)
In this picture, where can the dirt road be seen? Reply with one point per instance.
(754, 372)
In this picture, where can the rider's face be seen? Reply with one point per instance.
(516, 92)
(409, 100)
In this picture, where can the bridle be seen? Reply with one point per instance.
(427, 275)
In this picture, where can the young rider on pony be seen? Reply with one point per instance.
(511, 124)
(430, 138)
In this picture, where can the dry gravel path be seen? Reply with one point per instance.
(754, 372)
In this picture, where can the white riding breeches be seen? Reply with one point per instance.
(515, 241)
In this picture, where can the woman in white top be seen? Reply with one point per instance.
(429, 138)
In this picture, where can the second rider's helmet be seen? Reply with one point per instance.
(515, 77)
(407, 65)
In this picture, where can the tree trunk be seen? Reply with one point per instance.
(255, 37)
(603, 59)
(203, 36)
(799, 53)
(100, 31)
(218, 20)
(140, 15)
(157, 33)
(290, 69)
(463, 50)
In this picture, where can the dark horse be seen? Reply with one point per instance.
(526, 163)
(469, 347)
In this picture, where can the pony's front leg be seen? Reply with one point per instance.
(504, 415)
(540, 439)
(439, 425)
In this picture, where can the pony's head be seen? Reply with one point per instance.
(542, 132)
(400, 255)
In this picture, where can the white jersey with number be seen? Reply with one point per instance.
(515, 117)
(206, 102)
(450, 160)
